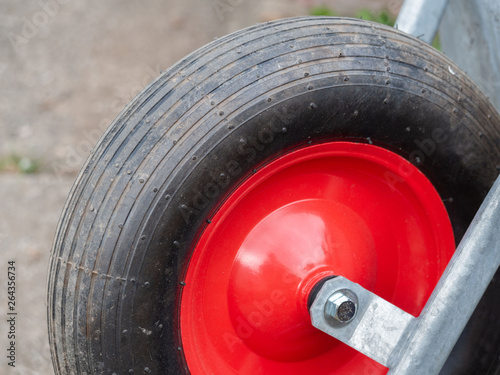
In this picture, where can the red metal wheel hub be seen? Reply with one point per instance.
(336, 208)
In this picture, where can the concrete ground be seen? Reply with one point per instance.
(67, 67)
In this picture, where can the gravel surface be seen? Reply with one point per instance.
(67, 67)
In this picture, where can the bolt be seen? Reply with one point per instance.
(341, 306)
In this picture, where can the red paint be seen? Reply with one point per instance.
(336, 208)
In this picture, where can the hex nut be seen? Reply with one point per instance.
(341, 306)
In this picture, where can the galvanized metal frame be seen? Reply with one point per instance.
(470, 36)
(421, 18)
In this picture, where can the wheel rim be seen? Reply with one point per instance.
(336, 208)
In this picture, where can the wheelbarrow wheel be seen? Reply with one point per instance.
(257, 165)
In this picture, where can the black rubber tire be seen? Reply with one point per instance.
(210, 121)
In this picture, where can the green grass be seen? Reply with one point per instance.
(19, 164)
(322, 10)
(436, 43)
(384, 16)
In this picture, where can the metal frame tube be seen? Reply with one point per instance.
(421, 18)
(435, 332)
